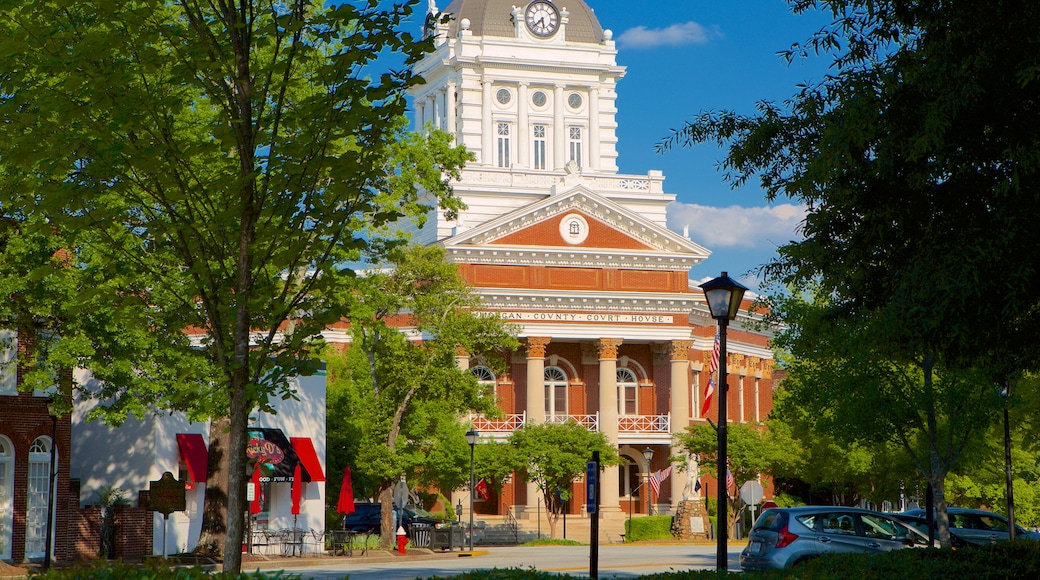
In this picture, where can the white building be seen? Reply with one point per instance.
(140, 451)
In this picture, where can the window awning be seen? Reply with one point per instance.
(194, 454)
(304, 448)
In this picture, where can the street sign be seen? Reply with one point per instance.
(751, 492)
(590, 487)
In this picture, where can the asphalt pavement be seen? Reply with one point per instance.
(615, 561)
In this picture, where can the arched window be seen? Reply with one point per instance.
(555, 392)
(38, 497)
(483, 374)
(6, 496)
(628, 392)
(485, 377)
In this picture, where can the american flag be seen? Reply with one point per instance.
(708, 392)
(657, 477)
(731, 484)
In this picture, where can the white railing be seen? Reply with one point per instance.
(644, 423)
(507, 424)
(626, 423)
(590, 422)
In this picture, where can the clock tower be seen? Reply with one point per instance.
(576, 254)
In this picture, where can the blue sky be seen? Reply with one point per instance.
(689, 56)
(685, 57)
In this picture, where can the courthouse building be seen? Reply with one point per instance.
(617, 335)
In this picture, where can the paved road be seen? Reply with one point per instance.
(615, 561)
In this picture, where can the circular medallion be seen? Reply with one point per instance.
(503, 96)
(538, 98)
(574, 100)
(574, 229)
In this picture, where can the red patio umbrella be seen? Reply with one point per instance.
(297, 490)
(254, 506)
(345, 505)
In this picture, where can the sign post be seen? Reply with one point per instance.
(166, 495)
(751, 492)
(592, 507)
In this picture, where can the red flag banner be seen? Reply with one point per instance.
(714, 368)
(482, 489)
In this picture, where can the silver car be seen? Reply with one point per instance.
(978, 527)
(785, 537)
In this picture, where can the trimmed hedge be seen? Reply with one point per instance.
(151, 570)
(648, 528)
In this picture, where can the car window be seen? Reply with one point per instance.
(808, 520)
(838, 523)
(882, 528)
(992, 523)
(770, 520)
(962, 521)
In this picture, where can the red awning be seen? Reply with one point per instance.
(194, 454)
(304, 448)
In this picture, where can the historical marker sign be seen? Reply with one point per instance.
(166, 495)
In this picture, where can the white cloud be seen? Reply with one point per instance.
(738, 227)
(674, 35)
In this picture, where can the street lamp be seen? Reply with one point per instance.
(1005, 394)
(53, 412)
(723, 295)
(648, 454)
(471, 437)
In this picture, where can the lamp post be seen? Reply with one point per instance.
(458, 510)
(723, 295)
(471, 437)
(1005, 394)
(53, 412)
(648, 454)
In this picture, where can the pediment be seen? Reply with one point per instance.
(577, 222)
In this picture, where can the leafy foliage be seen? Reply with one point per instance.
(401, 398)
(552, 455)
(227, 160)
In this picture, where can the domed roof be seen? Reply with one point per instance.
(492, 18)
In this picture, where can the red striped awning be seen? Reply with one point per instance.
(194, 454)
(304, 448)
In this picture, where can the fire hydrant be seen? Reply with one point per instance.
(402, 540)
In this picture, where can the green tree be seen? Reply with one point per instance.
(408, 325)
(847, 381)
(552, 456)
(752, 452)
(228, 159)
(915, 158)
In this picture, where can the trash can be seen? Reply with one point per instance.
(446, 538)
(420, 534)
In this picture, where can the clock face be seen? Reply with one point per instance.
(542, 18)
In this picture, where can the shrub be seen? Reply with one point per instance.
(648, 528)
(151, 570)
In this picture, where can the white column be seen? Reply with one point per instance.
(535, 400)
(451, 109)
(435, 107)
(680, 408)
(594, 134)
(523, 133)
(486, 155)
(420, 114)
(559, 131)
(608, 418)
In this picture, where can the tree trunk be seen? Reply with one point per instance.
(387, 529)
(936, 468)
(241, 404)
(214, 511)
